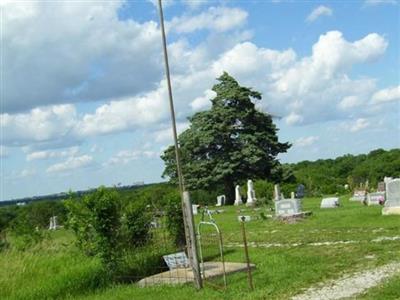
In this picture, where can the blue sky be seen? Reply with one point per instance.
(83, 94)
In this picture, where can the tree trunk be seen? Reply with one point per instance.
(229, 190)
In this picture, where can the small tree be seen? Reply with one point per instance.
(96, 222)
(228, 144)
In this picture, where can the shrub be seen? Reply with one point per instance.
(138, 224)
(174, 218)
(96, 221)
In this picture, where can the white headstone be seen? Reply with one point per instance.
(220, 200)
(176, 260)
(287, 207)
(387, 179)
(53, 223)
(331, 202)
(251, 195)
(238, 197)
(377, 198)
(292, 195)
(392, 204)
(195, 209)
(277, 192)
(359, 195)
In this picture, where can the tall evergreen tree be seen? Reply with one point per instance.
(228, 144)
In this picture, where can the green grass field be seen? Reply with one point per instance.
(289, 259)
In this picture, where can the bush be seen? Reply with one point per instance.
(138, 224)
(174, 219)
(96, 222)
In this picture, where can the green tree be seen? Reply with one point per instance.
(228, 144)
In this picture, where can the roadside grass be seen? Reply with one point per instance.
(389, 290)
(57, 270)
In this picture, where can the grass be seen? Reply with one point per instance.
(57, 270)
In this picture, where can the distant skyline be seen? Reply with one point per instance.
(83, 93)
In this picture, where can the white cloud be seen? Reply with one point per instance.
(41, 155)
(293, 119)
(359, 124)
(204, 101)
(386, 95)
(194, 4)
(318, 12)
(126, 156)
(40, 125)
(306, 141)
(80, 51)
(349, 102)
(165, 135)
(218, 19)
(316, 88)
(72, 163)
(379, 2)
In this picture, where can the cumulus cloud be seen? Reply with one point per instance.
(43, 155)
(306, 141)
(318, 12)
(358, 125)
(218, 19)
(72, 163)
(165, 135)
(350, 102)
(39, 125)
(303, 90)
(203, 102)
(126, 156)
(386, 95)
(77, 52)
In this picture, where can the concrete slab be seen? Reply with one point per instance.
(185, 275)
(386, 211)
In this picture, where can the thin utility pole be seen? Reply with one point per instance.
(185, 198)
(171, 100)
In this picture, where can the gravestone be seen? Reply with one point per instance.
(221, 200)
(387, 179)
(292, 195)
(238, 197)
(359, 195)
(381, 186)
(195, 209)
(53, 223)
(287, 207)
(392, 204)
(176, 260)
(346, 186)
(331, 202)
(377, 198)
(300, 191)
(277, 192)
(251, 194)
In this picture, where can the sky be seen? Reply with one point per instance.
(83, 91)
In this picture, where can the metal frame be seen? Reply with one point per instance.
(221, 248)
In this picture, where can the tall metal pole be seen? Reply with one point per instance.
(185, 199)
(171, 101)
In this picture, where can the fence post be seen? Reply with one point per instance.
(246, 252)
(191, 241)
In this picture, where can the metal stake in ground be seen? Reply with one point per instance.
(246, 252)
